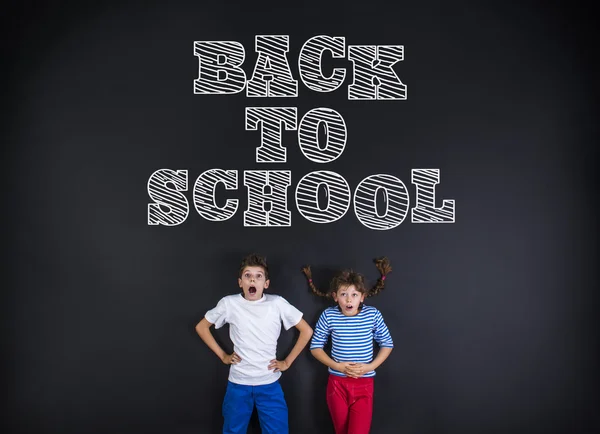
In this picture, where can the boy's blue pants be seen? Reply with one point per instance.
(270, 405)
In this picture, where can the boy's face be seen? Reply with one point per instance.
(349, 299)
(253, 282)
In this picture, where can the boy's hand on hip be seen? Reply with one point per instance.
(277, 366)
(232, 359)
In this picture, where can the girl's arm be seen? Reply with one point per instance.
(382, 336)
(322, 333)
(357, 370)
(322, 357)
(382, 354)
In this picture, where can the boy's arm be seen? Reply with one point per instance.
(305, 335)
(203, 330)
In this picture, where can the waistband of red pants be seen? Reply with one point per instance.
(360, 380)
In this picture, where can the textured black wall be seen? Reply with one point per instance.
(492, 316)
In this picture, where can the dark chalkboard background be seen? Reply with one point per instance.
(492, 316)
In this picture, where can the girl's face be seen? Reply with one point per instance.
(349, 299)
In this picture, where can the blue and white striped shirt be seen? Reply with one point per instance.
(351, 336)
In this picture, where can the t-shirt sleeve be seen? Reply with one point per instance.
(218, 314)
(381, 334)
(290, 316)
(321, 332)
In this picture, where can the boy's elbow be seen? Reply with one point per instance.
(304, 329)
(202, 326)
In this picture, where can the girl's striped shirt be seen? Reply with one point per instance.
(351, 336)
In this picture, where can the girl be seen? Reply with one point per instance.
(353, 327)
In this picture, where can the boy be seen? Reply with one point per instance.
(254, 326)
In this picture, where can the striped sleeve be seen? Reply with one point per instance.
(381, 334)
(321, 332)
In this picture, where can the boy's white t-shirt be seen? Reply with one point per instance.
(254, 327)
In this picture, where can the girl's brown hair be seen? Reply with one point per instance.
(350, 277)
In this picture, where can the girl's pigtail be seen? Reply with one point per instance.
(308, 274)
(384, 267)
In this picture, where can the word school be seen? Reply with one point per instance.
(267, 198)
(220, 73)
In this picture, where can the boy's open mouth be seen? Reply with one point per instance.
(252, 290)
(349, 307)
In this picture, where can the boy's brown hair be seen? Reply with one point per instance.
(254, 260)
